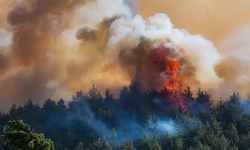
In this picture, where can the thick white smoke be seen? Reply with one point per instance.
(201, 51)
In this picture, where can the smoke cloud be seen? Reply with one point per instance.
(233, 68)
(211, 18)
(54, 48)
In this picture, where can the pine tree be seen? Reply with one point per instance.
(21, 137)
(232, 134)
(128, 145)
(80, 146)
(142, 143)
(154, 144)
(177, 144)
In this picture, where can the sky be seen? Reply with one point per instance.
(214, 19)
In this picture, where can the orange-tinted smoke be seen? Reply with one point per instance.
(49, 57)
(32, 27)
(32, 64)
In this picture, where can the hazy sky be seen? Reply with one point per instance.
(213, 19)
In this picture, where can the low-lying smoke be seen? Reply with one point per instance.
(128, 130)
(59, 47)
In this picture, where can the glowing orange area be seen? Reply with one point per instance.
(161, 59)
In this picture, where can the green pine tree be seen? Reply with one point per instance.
(21, 137)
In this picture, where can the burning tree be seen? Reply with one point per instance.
(162, 60)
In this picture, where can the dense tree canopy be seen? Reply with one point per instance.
(137, 119)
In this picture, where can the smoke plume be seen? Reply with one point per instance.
(52, 48)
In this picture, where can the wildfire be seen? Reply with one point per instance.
(161, 59)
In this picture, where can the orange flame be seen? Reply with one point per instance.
(161, 60)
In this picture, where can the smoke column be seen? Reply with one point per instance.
(54, 48)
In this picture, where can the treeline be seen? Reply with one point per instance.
(91, 121)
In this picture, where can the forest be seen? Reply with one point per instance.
(136, 120)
